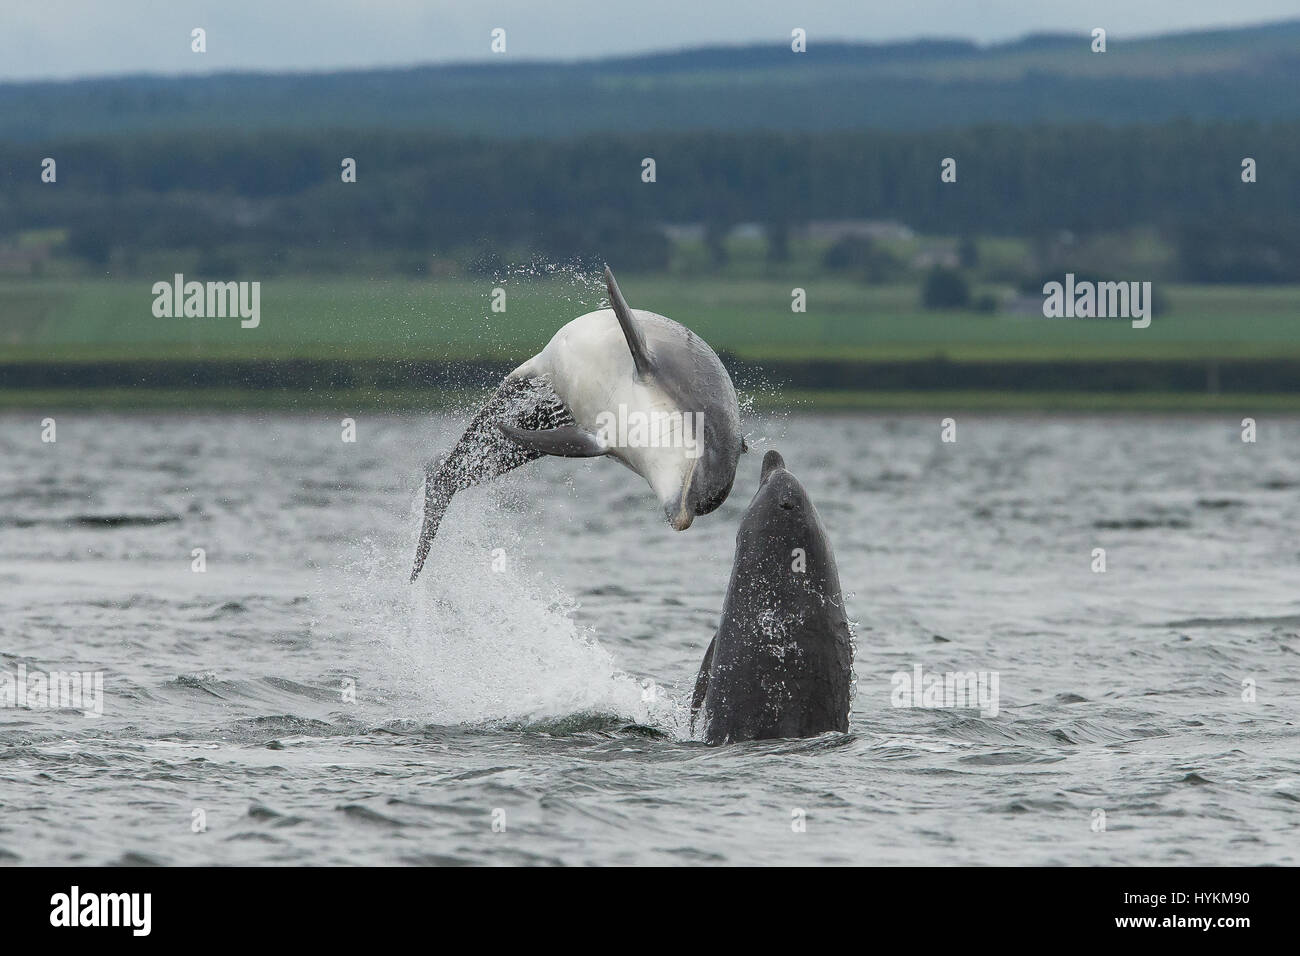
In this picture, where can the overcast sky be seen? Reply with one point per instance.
(72, 38)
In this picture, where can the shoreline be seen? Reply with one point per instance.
(217, 399)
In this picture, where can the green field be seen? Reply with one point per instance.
(797, 400)
(103, 320)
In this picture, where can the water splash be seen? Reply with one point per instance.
(483, 637)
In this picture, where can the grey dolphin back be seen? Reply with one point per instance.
(781, 662)
(484, 452)
(682, 366)
(631, 329)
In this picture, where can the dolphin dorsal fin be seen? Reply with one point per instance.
(631, 331)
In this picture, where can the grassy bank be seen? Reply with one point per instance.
(107, 319)
(412, 344)
(348, 401)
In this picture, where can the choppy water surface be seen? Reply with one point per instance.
(524, 689)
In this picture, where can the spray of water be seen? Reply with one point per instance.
(483, 638)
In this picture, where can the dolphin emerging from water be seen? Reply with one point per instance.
(781, 662)
(633, 385)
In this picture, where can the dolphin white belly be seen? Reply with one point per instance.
(589, 367)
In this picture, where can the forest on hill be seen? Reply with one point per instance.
(1245, 73)
(251, 202)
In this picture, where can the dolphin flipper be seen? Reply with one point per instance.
(631, 331)
(483, 452)
(702, 683)
(566, 441)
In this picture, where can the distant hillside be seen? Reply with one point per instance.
(1248, 73)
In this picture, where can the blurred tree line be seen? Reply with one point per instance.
(250, 201)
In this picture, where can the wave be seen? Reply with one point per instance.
(108, 521)
(1284, 620)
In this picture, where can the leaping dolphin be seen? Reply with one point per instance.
(630, 384)
(781, 662)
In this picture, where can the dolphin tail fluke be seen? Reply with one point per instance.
(436, 499)
(631, 331)
(484, 453)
